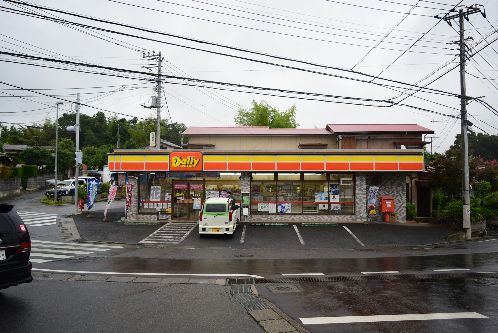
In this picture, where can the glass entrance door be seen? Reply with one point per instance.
(180, 200)
(187, 199)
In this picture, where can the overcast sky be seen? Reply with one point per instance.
(334, 33)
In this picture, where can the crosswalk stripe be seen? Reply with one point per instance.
(39, 261)
(50, 255)
(61, 251)
(48, 251)
(39, 224)
(79, 244)
(67, 247)
(37, 219)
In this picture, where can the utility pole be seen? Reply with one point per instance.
(461, 15)
(56, 147)
(117, 144)
(78, 156)
(157, 104)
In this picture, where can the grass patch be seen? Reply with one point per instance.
(51, 202)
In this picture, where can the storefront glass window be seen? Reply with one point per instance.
(227, 182)
(341, 194)
(289, 197)
(154, 193)
(263, 194)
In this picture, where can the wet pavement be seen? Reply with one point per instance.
(366, 300)
(88, 306)
(474, 262)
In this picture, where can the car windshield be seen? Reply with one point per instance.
(68, 182)
(215, 208)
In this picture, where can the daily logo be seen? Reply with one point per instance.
(187, 162)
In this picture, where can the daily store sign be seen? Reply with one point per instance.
(185, 161)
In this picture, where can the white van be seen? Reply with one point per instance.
(219, 216)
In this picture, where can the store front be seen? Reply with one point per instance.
(292, 186)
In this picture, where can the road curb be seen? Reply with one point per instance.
(55, 276)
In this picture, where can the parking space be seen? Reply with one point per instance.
(343, 236)
(327, 237)
(384, 234)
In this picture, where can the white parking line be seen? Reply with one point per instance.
(303, 274)
(298, 234)
(451, 269)
(243, 236)
(399, 317)
(381, 272)
(354, 236)
(145, 274)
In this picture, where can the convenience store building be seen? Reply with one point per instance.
(277, 175)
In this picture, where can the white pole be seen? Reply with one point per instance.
(56, 147)
(77, 169)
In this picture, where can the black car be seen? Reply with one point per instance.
(15, 248)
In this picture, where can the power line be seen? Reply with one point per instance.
(65, 100)
(374, 8)
(146, 74)
(414, 43)
(224, 46)
(287, 34)
(386, 35)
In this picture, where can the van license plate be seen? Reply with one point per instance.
(215, 229)
(2, 255)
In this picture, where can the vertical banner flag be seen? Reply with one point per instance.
(92, 186)
(113, 189)
(129, 193)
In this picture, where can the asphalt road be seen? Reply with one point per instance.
(75, 306)
(351, 305)
(297, 266)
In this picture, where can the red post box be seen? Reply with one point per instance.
(386, 207)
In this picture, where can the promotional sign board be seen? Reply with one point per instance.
(185, 161)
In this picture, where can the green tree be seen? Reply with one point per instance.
(65, 155)
(96, 157)
(262, 114)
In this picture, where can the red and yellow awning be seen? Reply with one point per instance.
(267, 162)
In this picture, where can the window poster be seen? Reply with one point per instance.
(335, 202)
(334, 189)
(272, 207)
(155, 193)
(321, 197)
(212, 194)
(284, 208)
(196, 205)
(262, 207)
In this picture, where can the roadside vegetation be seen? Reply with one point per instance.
(445, 171)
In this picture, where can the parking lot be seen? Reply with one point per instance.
(353, 236)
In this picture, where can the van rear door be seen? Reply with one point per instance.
(215, 214)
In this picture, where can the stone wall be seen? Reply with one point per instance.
(393, 184)
(133, 216)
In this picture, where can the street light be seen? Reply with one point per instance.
(56, 146)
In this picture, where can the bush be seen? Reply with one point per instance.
(411, 211)
(454, 211)
(82, 192)
(490, 205)
(104, 188)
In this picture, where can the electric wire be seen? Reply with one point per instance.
(236, 49)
